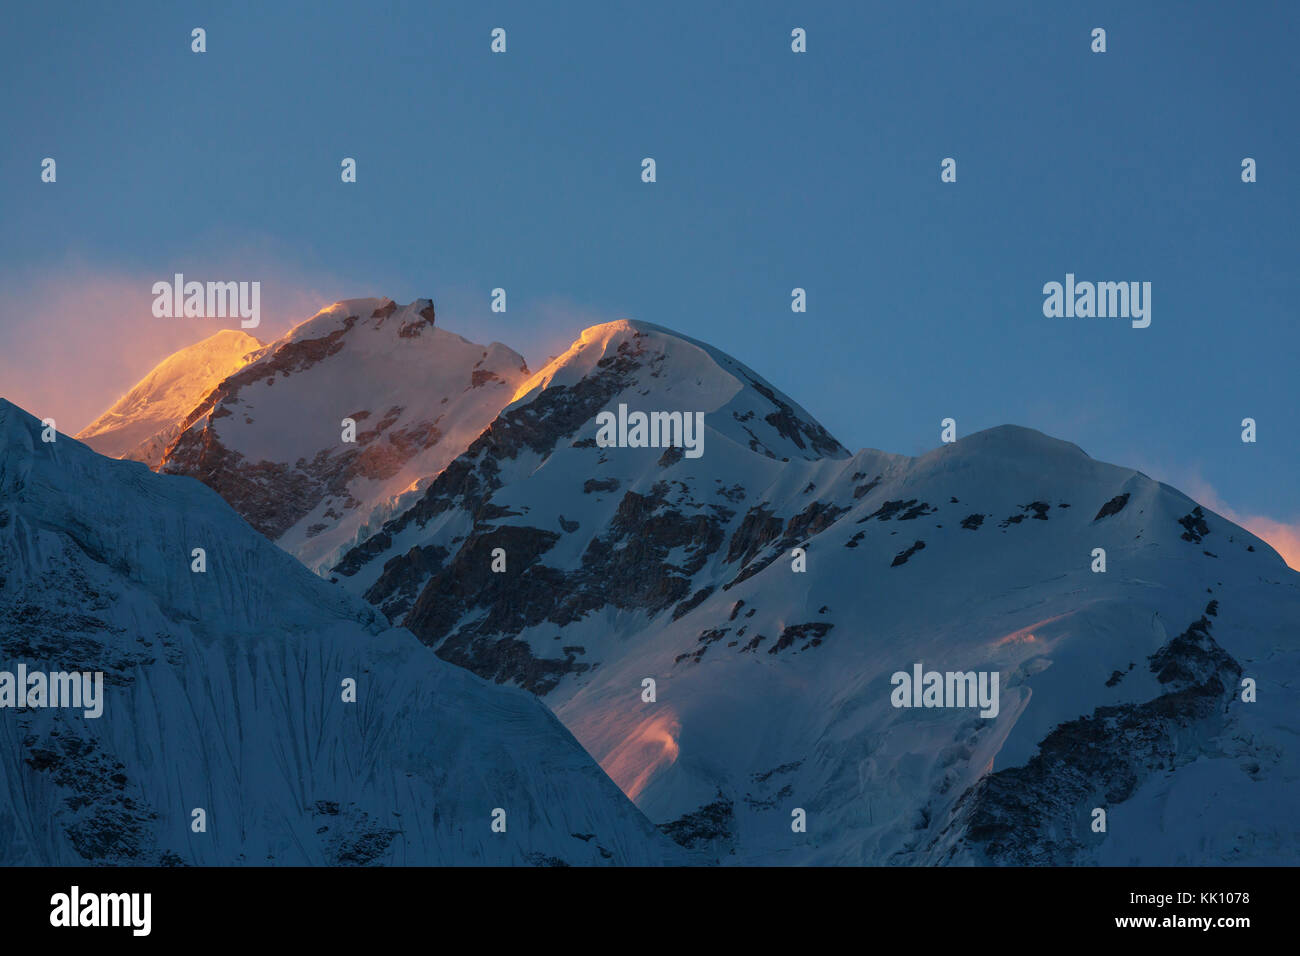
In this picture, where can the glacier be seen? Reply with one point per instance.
(224, 693)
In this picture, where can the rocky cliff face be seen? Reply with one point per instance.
(274, 438)
(1043, 812)
(640, 549)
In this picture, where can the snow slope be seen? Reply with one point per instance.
(144, 421)
(223, 692)
(271, 438)
(1118, 690)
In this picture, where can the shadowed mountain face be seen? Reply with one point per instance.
(301, 726)
(773, 587)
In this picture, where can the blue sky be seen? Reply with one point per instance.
(775, 170)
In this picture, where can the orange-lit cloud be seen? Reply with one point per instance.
(1282, 537)
(651, 746)
(1026, 635)
(74, 339)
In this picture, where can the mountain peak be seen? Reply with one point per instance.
(650, 366)
(16, 427)
(141, 423)
(376, 314)
(325, 429)
(1010, 441)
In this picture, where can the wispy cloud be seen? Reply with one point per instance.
(537, 328)
(1282, 536)
(74, 339)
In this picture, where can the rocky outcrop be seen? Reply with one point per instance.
(316, 439)
(1041, 813)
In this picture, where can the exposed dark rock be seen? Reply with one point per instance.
(734, 494)
(793, 428)
(102, 813)
(861, 491)
(758, 528)
(814, 631)
(1194, 526)
(1040, 812)
(889, 509)
(708, 826)
(917, 512)
(813, 520)
(1039, 509)
(694, 601)
(470, 615)
(784, 768)
(1112, 507)
(671, 456)
(902, 556)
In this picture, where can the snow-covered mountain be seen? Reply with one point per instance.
(224, 691)
(272, 438)
(1119, 690)
(144, 421)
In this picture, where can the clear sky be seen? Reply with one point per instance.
(775, 170)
